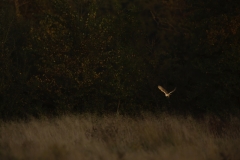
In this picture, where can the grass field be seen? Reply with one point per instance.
(117, 137)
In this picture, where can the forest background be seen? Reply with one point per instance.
(78, 56)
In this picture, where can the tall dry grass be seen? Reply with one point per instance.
(116, 137)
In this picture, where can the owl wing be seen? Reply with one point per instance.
(162, 89)
(172, 91)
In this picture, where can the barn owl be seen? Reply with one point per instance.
(167, 94)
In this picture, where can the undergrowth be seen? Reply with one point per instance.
(112, 137)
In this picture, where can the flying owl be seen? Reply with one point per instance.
(167, 94)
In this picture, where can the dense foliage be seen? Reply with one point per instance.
(109, 56)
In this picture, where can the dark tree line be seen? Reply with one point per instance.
(109, 56)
